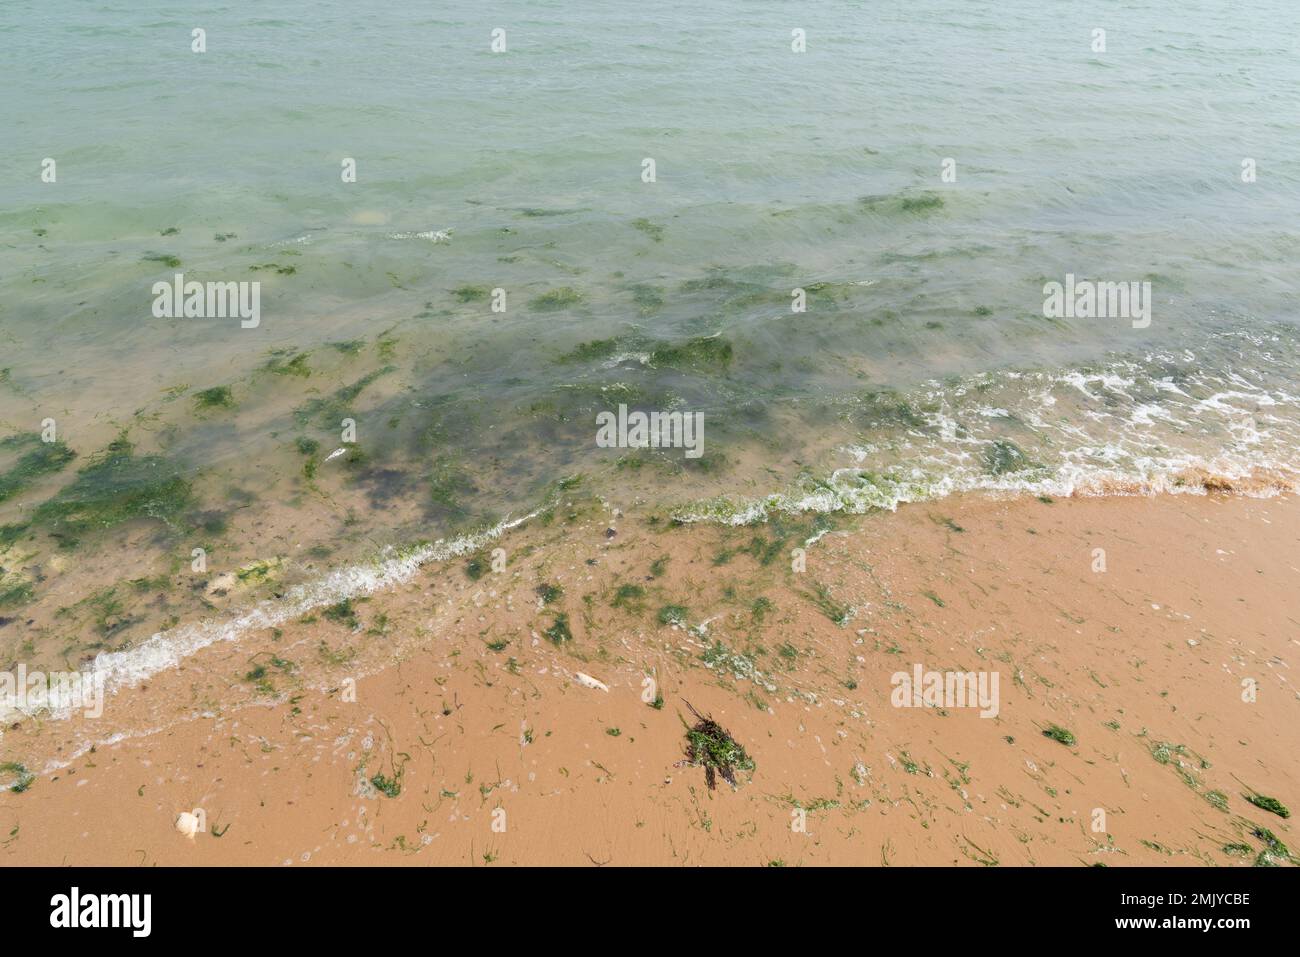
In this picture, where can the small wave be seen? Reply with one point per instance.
(166, 649)
(856, 491)
(431, 235)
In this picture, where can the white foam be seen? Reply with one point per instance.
(167, 649)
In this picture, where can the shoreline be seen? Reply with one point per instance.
(466, 706)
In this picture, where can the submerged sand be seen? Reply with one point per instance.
(442, 722)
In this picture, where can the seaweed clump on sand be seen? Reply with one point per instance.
(1274, 850)
(1057, 733)
(22, 777)
(711, 745)
(1270, 804)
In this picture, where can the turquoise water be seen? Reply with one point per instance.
(923, 364)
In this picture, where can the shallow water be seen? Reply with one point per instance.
(923, 364)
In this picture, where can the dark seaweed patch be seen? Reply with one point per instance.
(1002, 456)
(115, 487)
(702, 352)
(565, 297)
(45, 459)
(218, 397)
(711, 746)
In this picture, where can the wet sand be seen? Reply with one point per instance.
(470, 740)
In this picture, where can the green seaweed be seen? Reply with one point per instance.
(470, 293)
(648, 298)
(1266, 803)
(218, 397)
(559, 632)
(15, 591)
(343, 613)
(591, 351)
(1002, 456)
(296, 366)
(1057, 733)
(118, 486)
(23, 778)
(711, 746)
(45, 459)
(673, 615)
(701, 352)
(628, 596)
(1274, 849)
(549, 593)
(923, 203)
(446, 483)
(388, 786)
(653, 230)
(926, 202)
(1217, 799)
(565, 297)
(331, 410)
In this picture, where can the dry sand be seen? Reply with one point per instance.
(494, 752)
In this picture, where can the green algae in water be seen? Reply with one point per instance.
(564, 297)
(330, 411)
(295, 366)
(885, 408)
(15, 591)
(118, 486)
(647, 298)
(924, 203)
(447, 483)
(218, 397)
(591, 351)
(917, 203)
(171, 262)
(46, 458)
(653, 230)
(470, 293)
(549, 593)
(702, 352)
(1002, 456)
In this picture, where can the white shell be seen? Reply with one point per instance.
(590, 682)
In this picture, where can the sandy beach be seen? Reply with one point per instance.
(539, 713)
